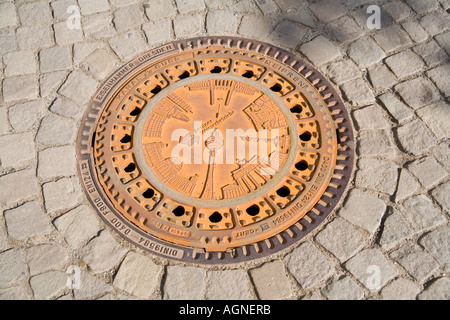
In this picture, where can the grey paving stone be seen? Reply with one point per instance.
(48, 285)
(26, 221)
(361, 267)
(15, 293)
(437, 243)
(98, 26)
(440, 194)
(100, 64)
(84, 49)
(7, 40)
(157, 32)
(36, 13)
(15, 149)
(55, 59)
(431, 53)
(65, 36)
(228, 285)
(51, 124)
(102, 253)
(122, 3)
(415, 137)
(3, 238)
(405, 63)
(20, 88)
(18, 186)
(341, 239)
(397, 10)
(380, 77)
(442, 154)
(421, 213)
(395, 229)
(89, 6)
(308, 265)
(300, 15)
(392, 37)
(60, 8)
(428, 171)
(435, 22)
(245, 7)
(8, 16)
(4, 126)
(34, 37)
(91, 287)
(443, 40)
(267, 6)
(45, 257)
(159, 9)
(417, 262)
(327, 11)
(56, 162)
(343, 289)
(255, 26)
(50, 82)
(365, 52)
(12, 267)
(370, 118)
(378, 175)
(271, 281)
(376, 143)
(186, 6)
(78, 87)
(188, 25)
(19, 63)
(221, 22)
(415, 31)
(400, 289)
(342, 71)
(312, 296)
(128, 45)
(396, 108)
(363, 210)
(138, 275)
(420, 6)
(217, 4)
(62, 194)
(184, 283)
(288, 34)
(78, 225)
(438, 290)
(344, 29)
(439, 76)
(128, 17)
(358, 92)
(407, 185)
(22, 116)
(320, 50)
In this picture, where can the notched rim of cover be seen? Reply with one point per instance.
(278, 244)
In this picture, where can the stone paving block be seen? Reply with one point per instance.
(186, 6)
(26, 221)
(3, 238)
(7, 40)
(60, 8)
(400, 289)
(90, 6)
(36, 13)
(320, 50)
(98, 26)
(255, 26)
(435, 22)
(395, 229)
(127, 18)
(440, 77)
(78, 225)
(20, 88)
(18, 186)
(300, 15)
(15, 293)
(380, 77)
(188, 25)
(289, 34)
(157, 32)
(228, 285)
(65, 36)
(438, 290)
(308, 265)
(83, 50)
(45, 257)
(396, 108)
(50, 82)
(221, 22)
(358, 92)
(365, 52)
(56, 162)
(327, 11)
(19, 63)
(55, 59)
(48, 285)
(397, 10)
(16, 149)
(102, 253)
(4, 126)
(123, 3)
(159, 9)
(245, 7)
(370, 118)
(440, 194)
(100, 64)
(22, 116)
(343, 289)
(442, 154)
(342, 71)
(363, 263)
(415, 137)
(8, 16)
(271, 281)
(428, 171)
(392, 37)
(431, 53)
(184, 283)
(91, 287)
(421, 213)
(12, 267)
(341, 239)
(267, 6)
(34, 37)
(217, 4)
(378, 142)
(405, 63)
(407, 185)
(444, 41)
(437, 243)
(363, 210)
(62, 194)
(420, 6)
(128, 45)
(415, 31)
(78, 87)
(138, 275)
(314, 296)
(417, 262)
(378, 175)
(51, 124)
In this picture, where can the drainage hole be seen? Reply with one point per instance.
(130, 168)
(156, 89)
(126, 138)
(248, 74)
(305, 136)
(253, 210)
(283, 192)
(215, 217)
(184, 75)
(149, 193)
(216, 69)
(301, 165)
(276, 87)
(296, 109)
(135, 112)
(178, 211)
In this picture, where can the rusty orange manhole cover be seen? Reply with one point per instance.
(215, 150)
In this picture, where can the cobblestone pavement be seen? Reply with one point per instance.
(394, 222)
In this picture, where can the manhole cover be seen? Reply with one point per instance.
(215, 150)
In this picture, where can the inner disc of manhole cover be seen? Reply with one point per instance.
(215, 150)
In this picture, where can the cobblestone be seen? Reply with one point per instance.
(65, 127)
(400, 289)
(228, 285)
(422, 6)
(48, 168)
(271, 281)
(439, 76)
(15, 293)
(128, 45)
(65, 36)
(34, 37)
(62, 194)
(8, 16)
(392, 37)
(32, 14)
(89, 6)
(435, 22)
(159, 9)
(405, 63)
(7, 39)
(221, 22)
(320, 50)
(91, 287)
(60, 8)
(365, 52)
(186, 6)
(327, 11)
(50, 82)
(370, 118)
(12, 267)
(342, 71)
(48, 285)
(20, 88)
(343, 289)
(67, 108)
(15, 149)
(127, 18)
(396, 108)
(100, 64)
(184, 283)
(157, 32)
(431, 53)
(45, 257)
(428, 171)
(421, 213)
(438, 290)
(344, 29)
(380, 77)
(98, 26)
(378, 142)
(395, 229)
(407, 185)
(267, 6)
(441, 195)
(415, 31)
(444, 41)
(255, 26)
(397, 10)
(288, 34)
(18, 186)
(78, 87)
(378, 175)
(417, 92)
(358, 93)
(19, 63)
(415, 137)
(55, 59)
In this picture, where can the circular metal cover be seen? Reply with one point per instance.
(215, 150)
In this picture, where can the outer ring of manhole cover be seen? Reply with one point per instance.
(214, 211)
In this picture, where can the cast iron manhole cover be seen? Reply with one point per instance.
(215, 150)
